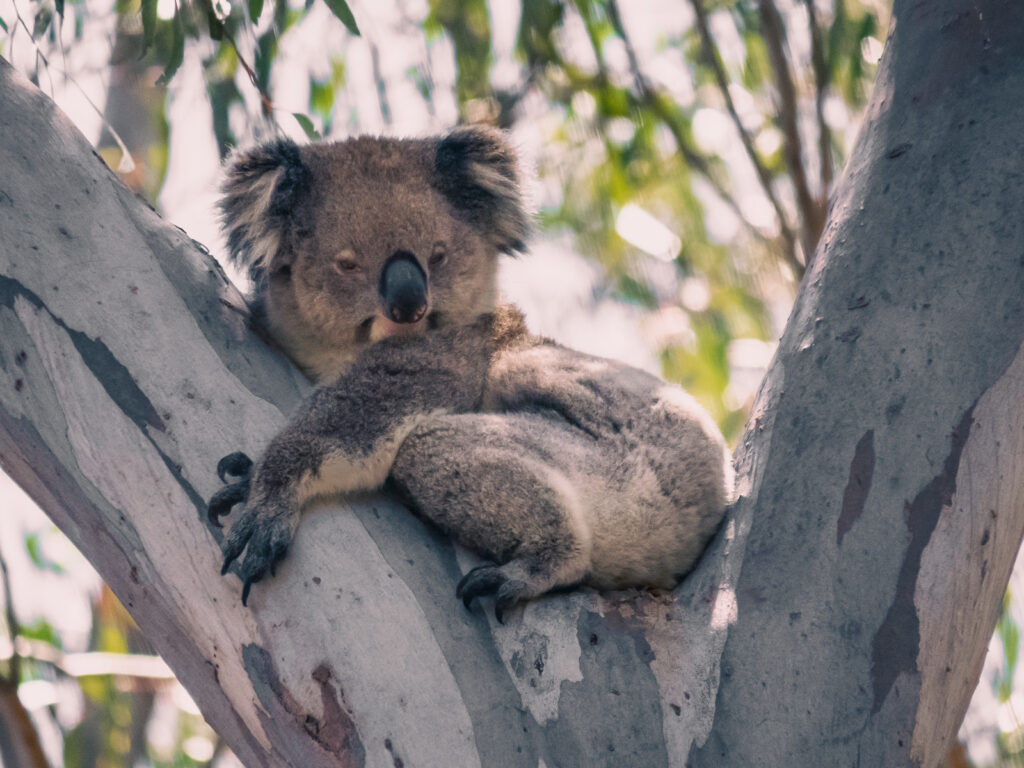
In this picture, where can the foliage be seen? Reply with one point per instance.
(725, 125)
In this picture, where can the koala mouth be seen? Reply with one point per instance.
(381, 327)
(364, 329)
(377, 327)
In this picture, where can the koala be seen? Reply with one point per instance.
(374, 263)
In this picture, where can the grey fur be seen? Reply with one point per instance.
(561, 467)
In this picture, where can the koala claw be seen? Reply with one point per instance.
(236, 464)
(223, 500)
(489, 580)
(264, 533)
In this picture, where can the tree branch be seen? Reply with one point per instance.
(812, 214)
(663, 110)
(710, 52)
(821, 84)
(830, 581)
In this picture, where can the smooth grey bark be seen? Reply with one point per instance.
(885, 455)
(881, 473)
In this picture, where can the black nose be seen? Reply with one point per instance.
(403, 288)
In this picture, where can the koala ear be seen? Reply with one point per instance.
(261, 189)
(477, 171)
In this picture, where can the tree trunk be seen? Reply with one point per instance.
(882, 475)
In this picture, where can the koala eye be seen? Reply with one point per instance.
(438, 256)
(346, 265)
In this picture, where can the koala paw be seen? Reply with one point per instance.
(490, 580)
(237, 465)
(223, 500)
(264, 530)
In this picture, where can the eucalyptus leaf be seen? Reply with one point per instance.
(215, 26)
(44, 17)
(307, 126)
(148, 23)
(340, 9)
(177, 54)
(255, 10)
(33, 546)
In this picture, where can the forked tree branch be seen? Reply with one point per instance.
(123, 380)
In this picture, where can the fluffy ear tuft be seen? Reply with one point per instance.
(477, 171)
(262, 186)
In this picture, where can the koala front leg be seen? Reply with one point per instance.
(343, 440)
(272, 505)
(315, 455)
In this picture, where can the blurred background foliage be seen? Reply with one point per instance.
(682, 151)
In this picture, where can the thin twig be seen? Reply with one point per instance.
(773, 32)
(821, 83)
(127, 163)
(268, 106)
(89, 663)
(710, 51)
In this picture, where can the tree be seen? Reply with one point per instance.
(840, 617)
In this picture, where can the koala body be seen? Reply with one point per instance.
(374, 262)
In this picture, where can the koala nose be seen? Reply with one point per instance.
(403, 288)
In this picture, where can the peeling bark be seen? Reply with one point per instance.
(840, 617)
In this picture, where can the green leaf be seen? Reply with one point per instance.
(43, 18)
(266, 52)
(148, 23)
(342, 11)
(307, 126)
(60, 8)
(177, 54)
(321, 97)
(255, 10)
(3, 25)
(35, 553)
(41, 630)
(214, 24)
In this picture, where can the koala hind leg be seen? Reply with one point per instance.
(486, 480)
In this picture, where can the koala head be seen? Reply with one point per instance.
(352, 242)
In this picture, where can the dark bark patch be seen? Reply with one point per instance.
(899, 149)
(395, 759)
(116, 380)
(849, 336)
(337, 731)
(336, 736)
(862, 469)
(898, 639)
